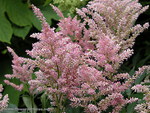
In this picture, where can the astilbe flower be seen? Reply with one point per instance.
(3, 100)
(112, 32)
(145, 89)
(55, 60)
(81, 61)
(21, 70)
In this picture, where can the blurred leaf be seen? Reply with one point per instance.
(128, 92)
(140, 78)
(37, 2)
(21, 32)
(24, 112)
(29, 102)
(2, 80)
(35, 21)
(5, 29)
(44, 100)
(145, 3)
(138, 95)
(13, 94)
(136, 59)
(49, 14)
(74, 110)
(25, 88)
(143, 61)
(130, 108)
(4, 51)
(47, 2)
(132, 71)
(2, 6)
(147, 84)
(5, 67)
(123, 110)
(11, 109)
(18, 12)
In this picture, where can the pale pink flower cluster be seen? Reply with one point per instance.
(112, 32)
(145, 106)
(3, 100)
(142, 88)
(21, 70)
(81, 61)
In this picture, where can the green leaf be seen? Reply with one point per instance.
(74, 110)
(18, 12)
(145, 3)
(21, 31)
(43, 100)
(10, 109)
(2, 6)
(47, 2)
(4, 51)
(12, 93)
(5, 29)
(130, 108)
(35, 21)
(5, 68)
(123, 110)
(138, 95)
(128, 92)
(29, 102)
(136, 59)
(49, 14)
(132, 71)
(143, 61)
(25, 88)
(140, 78)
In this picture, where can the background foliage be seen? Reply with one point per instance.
(17, 23)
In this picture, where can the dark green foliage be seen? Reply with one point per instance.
(17, 18)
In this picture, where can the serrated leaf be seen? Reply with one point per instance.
(21, 31)
(5, 29)
(29, 102)
(18, 12)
